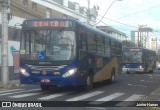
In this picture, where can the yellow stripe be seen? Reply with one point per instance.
(105, 72)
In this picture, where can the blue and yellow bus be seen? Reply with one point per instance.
(136, 59)
(65, 52)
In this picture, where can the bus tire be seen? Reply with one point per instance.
(44, 87)
(112, 78)
(89, 83)
(151, 71)
(145, 69)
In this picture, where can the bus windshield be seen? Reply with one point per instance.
(56, 45)
(132, 57)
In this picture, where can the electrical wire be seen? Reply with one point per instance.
(105, 12)
(98, 15)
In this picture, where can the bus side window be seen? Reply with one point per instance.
(82, 40)
(113, 47)
(27, 48)
(82, 43)
(100, 44)
(119, 47)
(91, 40)
(107, 46)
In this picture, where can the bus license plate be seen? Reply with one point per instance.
(45, 80)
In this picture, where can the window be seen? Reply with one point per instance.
(25, 3)
(118, 48)
(64, 16)
(113, 47)
(107, 46)
(48, 13)
(14, 34)
(91, 42)
(34, 6)
(100, 44)
(58, 45)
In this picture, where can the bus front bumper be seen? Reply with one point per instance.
(132, 70)
(58, 81)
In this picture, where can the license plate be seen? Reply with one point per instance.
(45, 80)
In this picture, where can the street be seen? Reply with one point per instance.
(130, 87)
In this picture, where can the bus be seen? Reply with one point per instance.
(137, 59)
(56, 52)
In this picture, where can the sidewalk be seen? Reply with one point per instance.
(153, 96)
(11, 84)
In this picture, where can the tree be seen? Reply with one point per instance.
(127, 43)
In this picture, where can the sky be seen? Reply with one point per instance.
(127, 15)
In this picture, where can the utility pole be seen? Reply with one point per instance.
(139, 38)
(4, 43)
(88, 14)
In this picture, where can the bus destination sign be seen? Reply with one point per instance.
(134, 49)
(49, 23)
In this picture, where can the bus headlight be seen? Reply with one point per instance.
(69, 72)
(24, 72)
(140, 66)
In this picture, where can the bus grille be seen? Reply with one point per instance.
(47, 68)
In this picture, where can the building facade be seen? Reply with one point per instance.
(28, 9)
(154, 45)
(113, 32)
(142, 37)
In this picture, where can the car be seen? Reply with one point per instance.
(158, 66)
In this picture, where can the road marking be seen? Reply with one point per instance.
(107, 98)
(110, 97)
(85, 96)
(19, 92)
(136, 85)
(148, 81)
(96, 108)
(130, 100)
(53, 96)
(24, 95)
(134, 97)
(10, 90)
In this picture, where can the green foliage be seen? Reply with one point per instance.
(127, 43)
(158, 57)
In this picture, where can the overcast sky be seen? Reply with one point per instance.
(126, 15)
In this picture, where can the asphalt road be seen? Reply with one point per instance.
(130, 87)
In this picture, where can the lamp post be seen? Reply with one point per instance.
(107, 11)
(88, 12)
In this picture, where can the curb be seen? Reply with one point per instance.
(154, 96)
(12, 83)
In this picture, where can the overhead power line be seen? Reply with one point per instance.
(120, 22)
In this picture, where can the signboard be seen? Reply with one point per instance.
(41, 55)
(134, 49)
(16, 61)
(47, 23)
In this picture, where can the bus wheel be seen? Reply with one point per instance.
(145, 70)
(112, 78)
(44, 87)
(89, 83)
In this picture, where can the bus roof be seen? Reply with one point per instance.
(136, 49)
(90, 27)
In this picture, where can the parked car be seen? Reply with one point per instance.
(158, 66)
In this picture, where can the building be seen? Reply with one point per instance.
(154, 45)
(142, 37)
(27, 9)
(113, 32)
